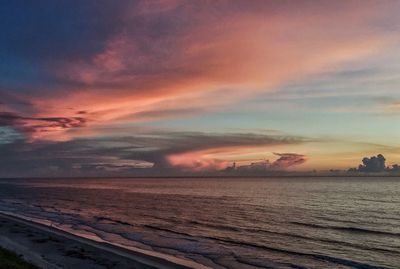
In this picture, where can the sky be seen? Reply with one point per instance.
(121, 87)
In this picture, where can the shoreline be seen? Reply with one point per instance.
(49, 247)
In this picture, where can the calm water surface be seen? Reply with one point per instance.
(228, 223)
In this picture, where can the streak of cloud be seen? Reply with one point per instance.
(35, 125)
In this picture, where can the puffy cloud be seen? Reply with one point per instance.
(375, 164)
(395, 168)
(372, 164)
(287, 160)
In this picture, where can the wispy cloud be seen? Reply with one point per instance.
(142, 56)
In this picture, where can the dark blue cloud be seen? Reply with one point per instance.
(38, 35)
(375, 164)
(39, 124)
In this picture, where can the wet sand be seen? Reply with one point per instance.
(48, 247)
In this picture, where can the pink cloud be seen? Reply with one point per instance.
(238, 49)
(216, 158)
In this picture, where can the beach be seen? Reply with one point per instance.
(49, 247)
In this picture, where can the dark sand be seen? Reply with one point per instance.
(10, 260)
(48, 247)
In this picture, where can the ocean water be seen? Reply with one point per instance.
(227, 223)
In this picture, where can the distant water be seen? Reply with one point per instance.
(228, 223)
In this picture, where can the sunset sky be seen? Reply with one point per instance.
(91, 87)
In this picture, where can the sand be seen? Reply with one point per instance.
(49, 247)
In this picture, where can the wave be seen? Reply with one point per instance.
(376, 201)
(295, 266)
(254, 263)
(329, 241)
(113, 220)
(290, 235)
(344, 228)
(167, 230)
(216, 226)
(335, 260)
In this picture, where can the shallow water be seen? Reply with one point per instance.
(228, 223)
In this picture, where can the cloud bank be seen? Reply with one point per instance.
(162, 152)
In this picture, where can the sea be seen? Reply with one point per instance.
(226, 222)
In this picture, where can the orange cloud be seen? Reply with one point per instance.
(208, 56)
(197, 161)
(216, 158)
